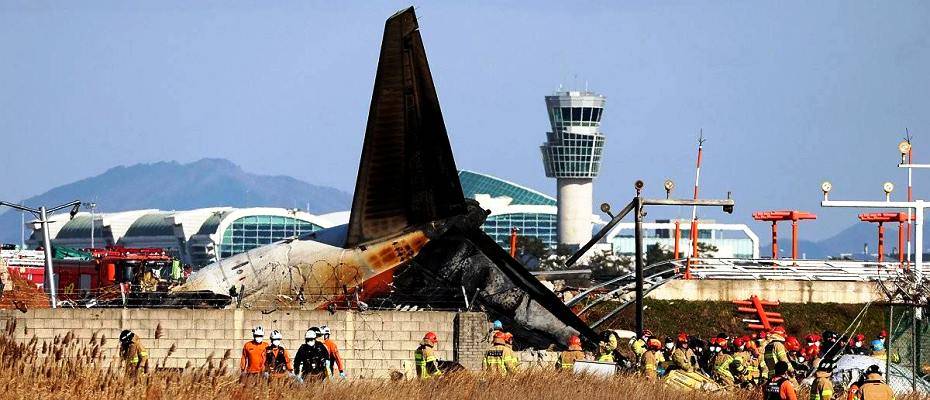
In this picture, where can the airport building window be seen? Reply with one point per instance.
(539, 225)
(247, 233)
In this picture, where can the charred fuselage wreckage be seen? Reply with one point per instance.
(412, 238)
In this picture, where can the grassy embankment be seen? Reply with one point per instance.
(707, 318)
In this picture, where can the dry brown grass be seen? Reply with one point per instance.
(70, 369)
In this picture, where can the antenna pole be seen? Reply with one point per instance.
(697, 180)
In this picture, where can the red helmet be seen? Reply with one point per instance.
(812, 338)
(647, 333)
(682, 337)
(500, 335)
(763, 335)
(574, 341)
(430, 337)
(739, 342)
(859, 338)
(792, 344)
(653, 344)
(883, 334)
(780, 330)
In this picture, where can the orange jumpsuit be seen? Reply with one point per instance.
(253, 357)
(334, 354)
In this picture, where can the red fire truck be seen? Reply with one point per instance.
(106, 268)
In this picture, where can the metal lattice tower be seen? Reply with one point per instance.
(572, 154)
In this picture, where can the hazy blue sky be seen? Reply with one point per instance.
(788, 93)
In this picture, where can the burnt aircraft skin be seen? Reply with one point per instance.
(409, 218)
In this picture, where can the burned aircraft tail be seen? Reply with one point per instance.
(407, 175)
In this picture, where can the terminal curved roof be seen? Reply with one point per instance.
(154, 224)
(474, 183)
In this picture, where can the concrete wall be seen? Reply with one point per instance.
(372, 343)
(781, 290)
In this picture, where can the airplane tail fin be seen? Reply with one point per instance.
(407, 175)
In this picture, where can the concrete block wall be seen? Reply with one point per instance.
(788, 291)
(373, 344)
(471, 339)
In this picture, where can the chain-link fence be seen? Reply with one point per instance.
(903, 350)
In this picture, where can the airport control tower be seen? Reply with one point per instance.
(572, 154)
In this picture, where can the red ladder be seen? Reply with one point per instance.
(767, 319)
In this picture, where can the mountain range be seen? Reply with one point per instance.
(209, 182)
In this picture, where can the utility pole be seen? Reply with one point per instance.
(42, 214)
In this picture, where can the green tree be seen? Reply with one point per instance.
(530, 246)
(606, 263)
(706, 250)
(657, 253)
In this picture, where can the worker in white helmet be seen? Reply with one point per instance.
(336, 363)
(253, 353)
(277, 361)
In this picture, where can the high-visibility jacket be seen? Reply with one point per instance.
(253, 357)
(650, 365)
(605, 350)
(135, 355)
(779, 388)
(822, 387)
(681, 358)
(775, 351)
(880, 354)
(277, 361)
(426, 362)
(723, 365)
(638, 347)
(500, 358)
(568, 357)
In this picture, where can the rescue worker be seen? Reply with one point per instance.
(606, 347)
(499, 357)
(512, 358)
(775, 351)
(755, 361)
(682, 357)
(425, 359)
(132, 352)
(822, 387)
(872, 387)
(857, 345)
(638, 345)
(567, 358)
(277, 361)
(798, 362)
(811, 349)
(652, 358)
(742, 355)
(253, 353)
(723, 363)
(337, 363)
(779, 386)
(878, 350)
(830, 348)
(311, 359)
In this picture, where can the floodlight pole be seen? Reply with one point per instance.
(918, 207)
(637, 205)
(42, 214)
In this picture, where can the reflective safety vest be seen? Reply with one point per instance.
(822, 388)
(567, 358)
(772, 389)
(424, 358)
